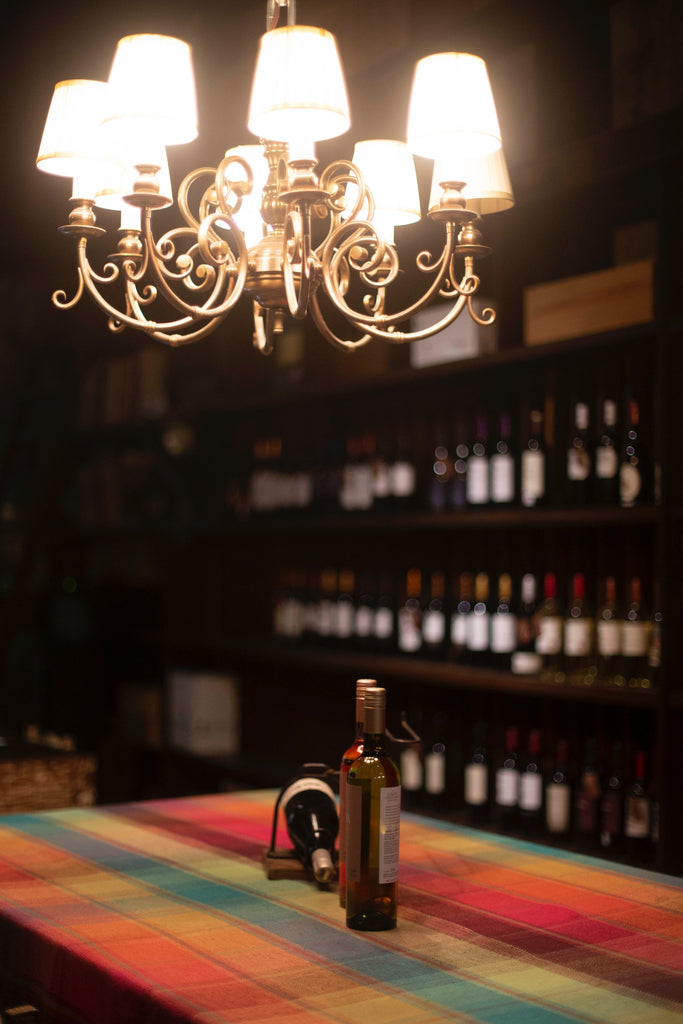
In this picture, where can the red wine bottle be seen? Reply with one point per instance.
(310, 813)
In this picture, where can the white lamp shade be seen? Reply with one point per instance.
(248, 216)
(110, 189)
(298, 92)
(452, 110)
(389, 171)
(71, 144)
(487, 182)
(151, 94)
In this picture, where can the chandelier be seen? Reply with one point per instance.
(263, 224)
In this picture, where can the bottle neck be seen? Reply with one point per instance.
(373, 742)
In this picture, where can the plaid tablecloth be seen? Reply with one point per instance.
(161, 912)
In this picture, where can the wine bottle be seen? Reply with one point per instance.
(588, 799)
(478, 621)
(533, 463)
(607, 456)
(502, 465)
(638, 815)
(310, 813)
(373, 806)
(402, 473)
(635, 629)
(612, 810)
(434, 617)
(440, 472)
(344, 619)
(349, 756)
(478, 466)
(579, 457)
(365, 610)
(558, 795)
(550, 639)
(458, 488)
(608, 629)
(410, 614)
(507, 783)
(526, 660)
(631, 479)
(531, 786)
(327, 611)
(579, 648)
(385, 616)
(476, 781)
(462, 606)
(436, 763)
(503, 625)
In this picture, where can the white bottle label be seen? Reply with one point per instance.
(326, 618)
(629, 483)
(637, 823)
(435, 772)
(389, 826)
(476, 784)
(433, 627)
(345, 619)
(606, 462)
(634, 636)
(609, 638)
(409, 633)
(478, 631)
(478, 480)
(411, 770)
(503, 633)
(502, 478)
(530, 791)
(459, 630)
(533, 477)
(577, 637)
(507, 782)
(381, 479)
(364, 620)
(384, 623)
(402, 479)
(578, 464)
(557, 807)
(549, 639)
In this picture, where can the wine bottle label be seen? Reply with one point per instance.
(634, 637)
(507, 785)
(611, 818)
(630, 483)
(609, 638)
(459, 630)
(549, 639)
(637, 823)
(364, 487)
(326, 618)
(557, 807)
(606, 462)
(384, 623)
(533, 477)
(503, 633)
(478, 480)
(433, 627)
(578, 636)
(364, 621)
(476, 784)
(409, 632)
(302, 785)
(530, 791)
(502, 478)
(478, 631)
(435, 772)
(578, 464)
(345, 619)
(402, 483)
(389, 826)
(411, 770)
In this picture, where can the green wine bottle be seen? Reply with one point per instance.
(373, 808)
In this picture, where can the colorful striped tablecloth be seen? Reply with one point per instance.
(161, 912)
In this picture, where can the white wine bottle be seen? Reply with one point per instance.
(373, 811)
(349, 756)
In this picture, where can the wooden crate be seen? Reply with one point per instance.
(42, 780)
(589, 303)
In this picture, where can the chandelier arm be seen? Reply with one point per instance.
(334, 253)
(60, 300)
(296, 252)
(487, 316)
(327, 332)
